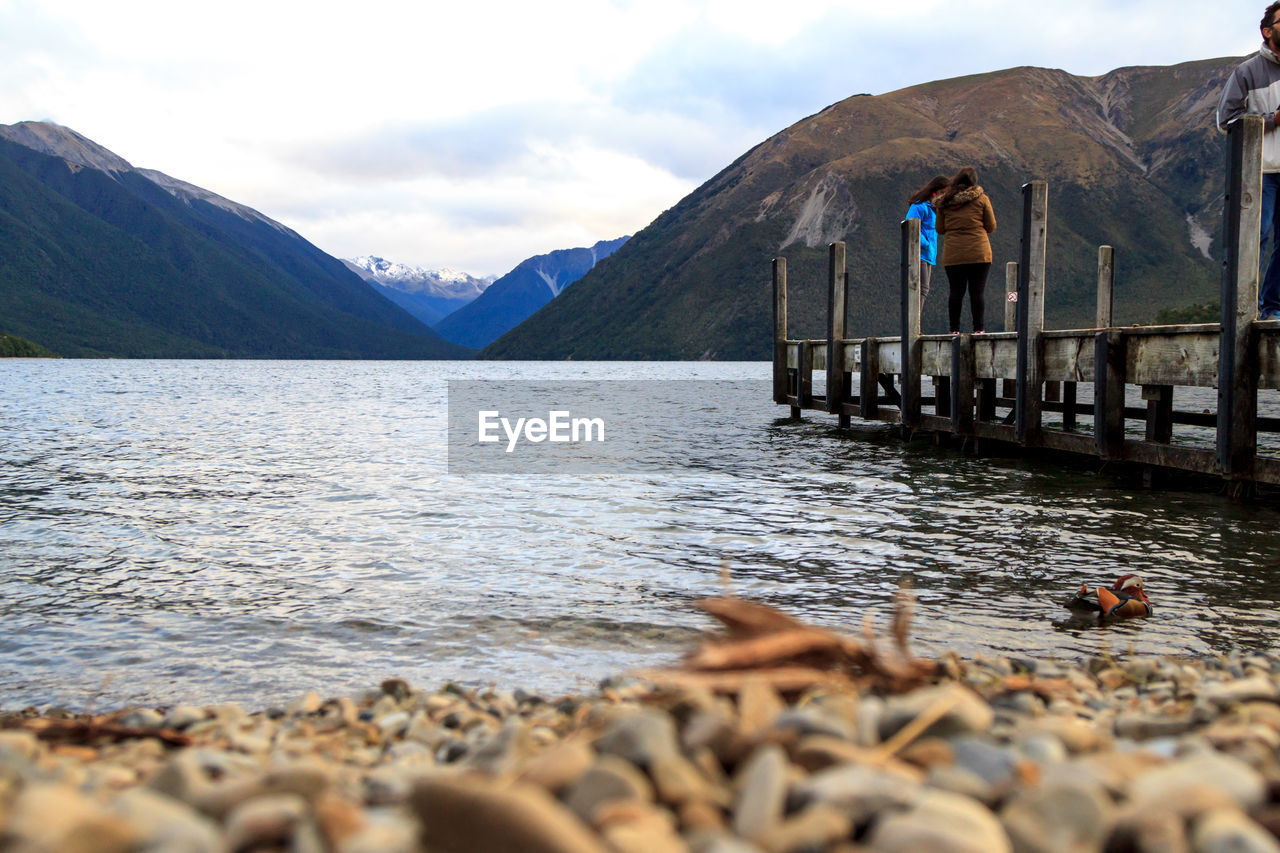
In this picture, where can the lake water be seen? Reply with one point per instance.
(246, 531)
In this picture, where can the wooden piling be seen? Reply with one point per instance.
(1108, 393)
(804, 375)
(1237, 370)
(1035, 215)
(962, 385)
(1106, 287)
(1008, 387)
(869, 381)
(837, 286)
(780, 379)
(910, 272)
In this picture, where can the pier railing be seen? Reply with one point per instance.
(999, 386)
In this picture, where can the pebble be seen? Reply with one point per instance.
(610, 778)
(762, 792)
(1229, 831)
(941, 822)
(1175, 756)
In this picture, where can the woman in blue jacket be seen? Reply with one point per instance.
(922, 208)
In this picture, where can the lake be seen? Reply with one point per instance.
(245, 531)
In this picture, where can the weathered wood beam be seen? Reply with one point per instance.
(1237, 369)
(837, 293)
(910, 274)
(1031, 298)
(780, 379)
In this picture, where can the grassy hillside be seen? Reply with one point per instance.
(108, 264)
(12, 346)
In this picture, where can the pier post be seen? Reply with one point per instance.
(869, 381)
(780, 383)
(1237, 369)
(837, 291)
(962, 385)
(910, 267)
(1035, 215)
(1008, 388)
(1108, 393)
(804, 378)
(1106, 287)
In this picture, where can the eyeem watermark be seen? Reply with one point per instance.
(515, 427)
(559, 427)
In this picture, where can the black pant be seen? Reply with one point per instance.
(973, 278)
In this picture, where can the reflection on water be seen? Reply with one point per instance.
(246, 530)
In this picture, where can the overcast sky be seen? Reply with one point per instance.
(472, 135)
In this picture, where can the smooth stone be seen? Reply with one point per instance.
(1076, 735)
(711, 730)
(610, 778)
(559, 766)
(1043, 748)
(813, 828)
(639, 737)
(462, 816)
(1230, 775)
(1142, 669)
(1139, 726)
(1224, 694)
(677, 780)
(941, 822)
(143, 718)
(23, 746)
(1151, 831)
(394, 724)
(859, 791)
(184, 716)
(1229, 831)
(1058, 818)
(719, 842)
(635, 827)
(995, 765)
(960, 781)
(57, 818)
(818, 752)
(165, 824)
(265, 821)
(813, 720)
(968, 714)
(503, 751)
(762, 792)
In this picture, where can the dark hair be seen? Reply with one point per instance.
(1268, 16)
(962, 180)
(926, 192)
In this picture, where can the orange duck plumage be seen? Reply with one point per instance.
(1124, 599)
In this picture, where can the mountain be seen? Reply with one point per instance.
(518, 294)
(429, 295)
(100, 259)
(1132, 159)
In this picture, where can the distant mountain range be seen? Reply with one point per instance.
(522, 292)
(98, 258)
(429, 295)
(1132, 159)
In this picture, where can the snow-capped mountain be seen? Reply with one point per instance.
(429, 295)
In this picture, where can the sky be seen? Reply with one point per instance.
(472, 135)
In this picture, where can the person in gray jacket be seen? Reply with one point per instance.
(1254, 89)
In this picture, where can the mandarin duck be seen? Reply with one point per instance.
(1124, 599)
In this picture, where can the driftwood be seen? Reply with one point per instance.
(92, 730)
(763, 643)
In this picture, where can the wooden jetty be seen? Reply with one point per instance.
(997, 387)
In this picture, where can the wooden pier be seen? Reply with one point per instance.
(998, 387)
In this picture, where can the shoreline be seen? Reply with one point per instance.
(986, 754)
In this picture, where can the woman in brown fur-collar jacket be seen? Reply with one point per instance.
(966, 217)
